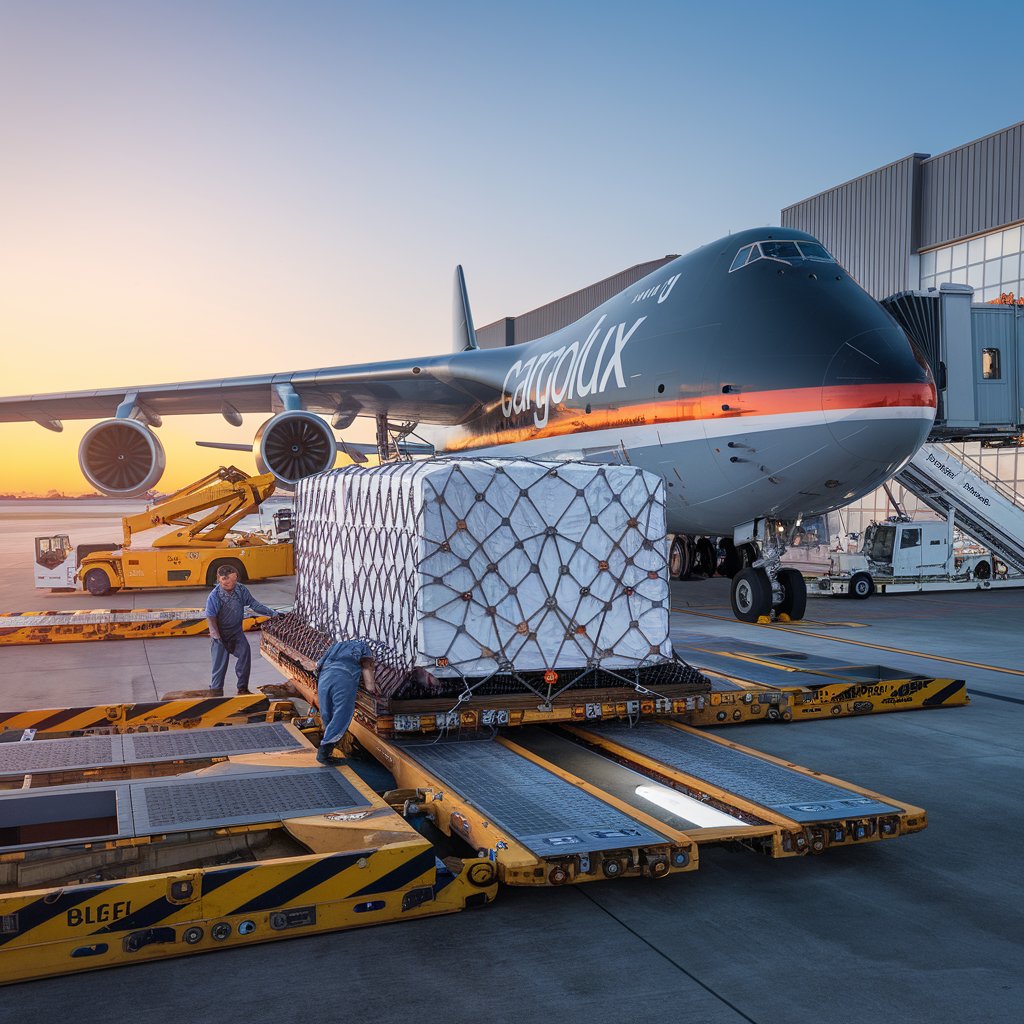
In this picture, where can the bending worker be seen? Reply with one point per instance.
(339, 673)
(225, 612)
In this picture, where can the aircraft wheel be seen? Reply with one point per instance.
(862, 586)
(680, 558)
(728, 558)
(97, 582)
(706, 557)
(751, 595)
(794, 593)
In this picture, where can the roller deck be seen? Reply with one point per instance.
(551, 805)
(247, 840)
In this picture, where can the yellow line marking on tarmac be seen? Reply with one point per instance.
(864, 643)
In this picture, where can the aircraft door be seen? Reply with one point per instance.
(995, 369)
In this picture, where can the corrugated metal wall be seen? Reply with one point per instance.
(871, 224)
(974, 188)
(562, 312)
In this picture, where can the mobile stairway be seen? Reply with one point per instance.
(980, 504)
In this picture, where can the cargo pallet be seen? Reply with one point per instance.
(22, 628)
(286, 848)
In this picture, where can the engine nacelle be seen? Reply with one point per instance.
(293, 445)
(122, 458)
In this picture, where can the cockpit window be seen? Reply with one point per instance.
(741, 258)
(783, 250)
(780, 250)
(814, 251)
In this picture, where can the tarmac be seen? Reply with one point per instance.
(925, 928)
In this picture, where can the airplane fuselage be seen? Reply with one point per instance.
(778, 388)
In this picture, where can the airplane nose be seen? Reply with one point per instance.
(878, 397)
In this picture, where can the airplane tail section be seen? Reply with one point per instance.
(463, 331)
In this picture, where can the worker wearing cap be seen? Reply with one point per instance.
(225, 613)
(339, 672)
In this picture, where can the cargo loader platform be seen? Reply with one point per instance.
(469, 706)
(240, 846)
(570, 804)
(18, 628)
(756, 682)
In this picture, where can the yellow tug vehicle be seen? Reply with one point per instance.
(202, 537)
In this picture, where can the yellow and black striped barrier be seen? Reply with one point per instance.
(151, 716)
(21, 628)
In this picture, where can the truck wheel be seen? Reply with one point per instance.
(862, 586)
(211, 573)
(97, 582)
(680, 558)
(794, 593)
(751, 595)
(983, 570)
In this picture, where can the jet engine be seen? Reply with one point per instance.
(293, 445)
(121, 458)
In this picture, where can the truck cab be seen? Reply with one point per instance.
(55, 565)
(908, 549)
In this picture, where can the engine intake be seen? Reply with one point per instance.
(122, 458)
(293, 445)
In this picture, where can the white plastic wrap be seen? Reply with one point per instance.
(473, 566)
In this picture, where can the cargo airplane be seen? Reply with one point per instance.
(753, 375)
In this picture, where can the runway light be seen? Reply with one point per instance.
(701, 814)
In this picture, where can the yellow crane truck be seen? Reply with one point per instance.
(201, 538)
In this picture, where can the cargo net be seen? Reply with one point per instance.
(490, 576)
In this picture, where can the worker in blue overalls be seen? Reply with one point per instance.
(225, 612)
(342, 668)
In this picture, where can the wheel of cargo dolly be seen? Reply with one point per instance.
(97, 582)
(728, 558)
(794, 593)
(680, 558)
(862, 586)
(751, 595)
(705, 559)
(211, 573)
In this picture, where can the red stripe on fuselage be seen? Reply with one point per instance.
(783, 402)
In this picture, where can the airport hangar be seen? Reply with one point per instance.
(914, 225)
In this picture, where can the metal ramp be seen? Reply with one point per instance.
(60, 755)
(576, 803)
(940, 479)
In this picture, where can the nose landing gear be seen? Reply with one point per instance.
(763, 586)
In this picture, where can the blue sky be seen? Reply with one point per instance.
(205, 189)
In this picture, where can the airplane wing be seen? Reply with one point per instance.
(445, 390)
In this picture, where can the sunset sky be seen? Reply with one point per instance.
(205, 189)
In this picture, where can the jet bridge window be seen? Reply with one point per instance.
(990, 369)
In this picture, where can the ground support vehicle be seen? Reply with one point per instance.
(204, 839)
(19, 628)
(908, 556)
(201, 538)
(754, 682)
(606, 788)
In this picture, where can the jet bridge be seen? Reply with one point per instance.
(940, 479)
